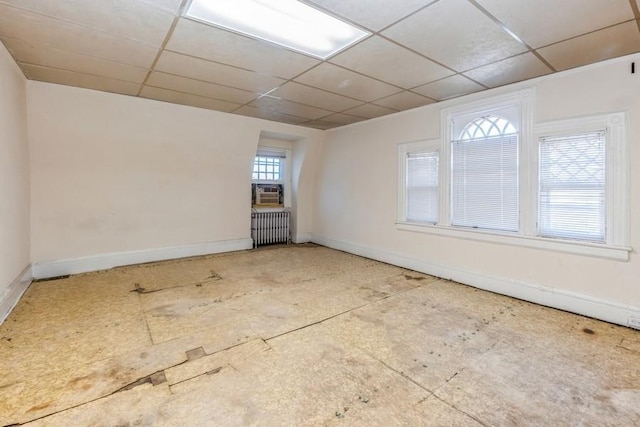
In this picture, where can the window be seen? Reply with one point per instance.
(270, 186)
(495, 177)
(571, 196)
(422, 187)
(267, 168)
(484, 175)
(583, 180)
(418, 189)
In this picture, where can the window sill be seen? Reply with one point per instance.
(618, 253)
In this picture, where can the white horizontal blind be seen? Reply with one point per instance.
(484, 182)
(422, 187)
(271, 153)
(571, 199)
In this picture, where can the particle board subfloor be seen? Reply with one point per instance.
(304, 335)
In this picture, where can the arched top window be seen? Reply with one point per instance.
(487, 127)
(484, 174)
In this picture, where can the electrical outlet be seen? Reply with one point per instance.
(634, 322)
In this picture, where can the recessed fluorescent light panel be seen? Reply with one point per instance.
(288, 23)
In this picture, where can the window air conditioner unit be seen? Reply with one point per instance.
(268, 195)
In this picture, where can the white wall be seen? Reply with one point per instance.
(306, 163)
(357, 194)
(114, 174)
(14, 173)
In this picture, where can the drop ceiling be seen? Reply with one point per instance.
(419, 52)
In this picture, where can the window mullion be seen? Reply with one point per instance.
(444, 215)
(528, 165)
(617, 177)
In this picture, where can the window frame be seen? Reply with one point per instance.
(281, 156)
(617, 181)
(404, 149)
(285, 155)
(466, 208)
(616, 167)
(561, 193)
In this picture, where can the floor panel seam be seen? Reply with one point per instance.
(344, 312)
(146, 321)
(451, 405)
(403, 375)
(431, 393)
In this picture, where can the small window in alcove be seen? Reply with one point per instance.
(267, 188)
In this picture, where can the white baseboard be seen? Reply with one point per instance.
(16, 289)
(573, 302)
(302, 238)
(46, 269)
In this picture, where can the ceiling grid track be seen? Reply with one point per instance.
(416, 53)
(176, 19)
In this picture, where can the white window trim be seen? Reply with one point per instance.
(616, 246)
(524, 100)
(617, 166)
(403, 150)
(618, 253)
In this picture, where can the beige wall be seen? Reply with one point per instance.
(357, 189)
(112, 173)
(14, 172)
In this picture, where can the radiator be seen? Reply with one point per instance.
(268, 228)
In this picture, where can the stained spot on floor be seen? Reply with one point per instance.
(195, 354)
(49, 279)
(409, 277)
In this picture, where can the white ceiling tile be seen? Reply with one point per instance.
(197, 87)
(343, 119)
(456, 34)
(203, 41)
(250, 111)
(169, 5)
(369, 111)
(51, 75)
(518, 68)
(110, 45)
(380, 58)
(372, 14)
(125, 18)
(268, 103)
(609, 43)
(403, 101)
(201, 69)
(297, 92)
(40, 30)
(542, 22)
(48, 57)
(338, 80)
(187, 99)
(449, 87)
